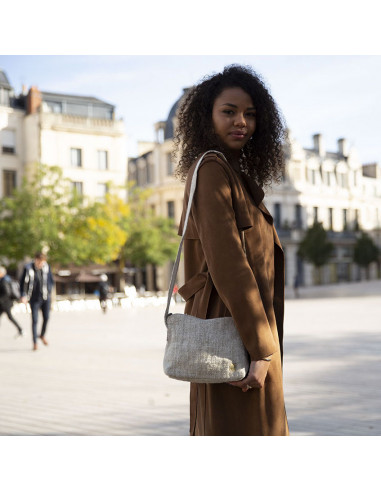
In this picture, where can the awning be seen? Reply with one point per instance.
(86, 277)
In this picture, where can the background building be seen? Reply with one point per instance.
(12, 113)
(80, 134)
(331, 187)
(77, 133)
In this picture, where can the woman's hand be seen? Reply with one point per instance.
(255, 377)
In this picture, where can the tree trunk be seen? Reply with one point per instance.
(317, 275)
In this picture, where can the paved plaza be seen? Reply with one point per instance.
(102, 373)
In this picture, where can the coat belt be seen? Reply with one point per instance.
(199, 281)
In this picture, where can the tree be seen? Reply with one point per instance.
(44, 214)
(315, 247)
(34, 217)
(97, 231)
(151, 239)
(365, 252)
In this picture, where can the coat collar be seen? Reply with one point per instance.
(255, 191)
(257, 194)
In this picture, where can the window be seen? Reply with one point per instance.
(9, 182)
(277, 215)
(345, 219)
(102, 160)
(342, 180)
(76, 157)
(54, 107)
(77, 187)
(170, 167)
(298, 216)
(330, 218)
(171, 209)
(312, 176)
(357, 219)
(149, 170)
(8, 141)
(102, 190)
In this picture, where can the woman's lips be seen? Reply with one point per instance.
(238, 135)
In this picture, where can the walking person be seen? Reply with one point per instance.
(6, 299)
(104, 290)
(234, 263)
(36, 285)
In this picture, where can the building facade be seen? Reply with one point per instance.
(77, 133)
(331, 187)
(12, 150)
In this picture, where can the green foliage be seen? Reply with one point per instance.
(365, 250)
(96, 232)
(151, 240)
(44, 214)
(34, 217)
(315, 247)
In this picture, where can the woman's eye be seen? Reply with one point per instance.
(228, 111)
(251, 115)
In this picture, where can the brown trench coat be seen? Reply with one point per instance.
(221, 281)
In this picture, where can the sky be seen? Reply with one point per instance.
(337, 96)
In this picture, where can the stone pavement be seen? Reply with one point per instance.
(102, 374)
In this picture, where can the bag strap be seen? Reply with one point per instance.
(177, 262)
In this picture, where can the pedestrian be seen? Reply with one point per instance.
(7, 298)
(104, 290)
(36, 285)
(234, 263)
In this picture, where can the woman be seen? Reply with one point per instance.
(233, 259)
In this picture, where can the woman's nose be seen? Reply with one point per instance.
(240, 120)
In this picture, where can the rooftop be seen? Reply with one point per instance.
(59, 97)
(4, 82)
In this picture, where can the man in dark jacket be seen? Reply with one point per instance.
(6, 301)
(36, 285)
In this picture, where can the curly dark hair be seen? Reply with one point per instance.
(262, 158)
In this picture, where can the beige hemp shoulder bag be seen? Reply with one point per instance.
(202, 350)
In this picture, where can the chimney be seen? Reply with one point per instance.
(318, 144)
(33, 100)
(343, 146)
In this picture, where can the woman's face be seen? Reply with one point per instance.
(233, 118)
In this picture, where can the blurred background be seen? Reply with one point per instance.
(86, 143)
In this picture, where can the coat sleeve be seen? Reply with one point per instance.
(234, 280)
